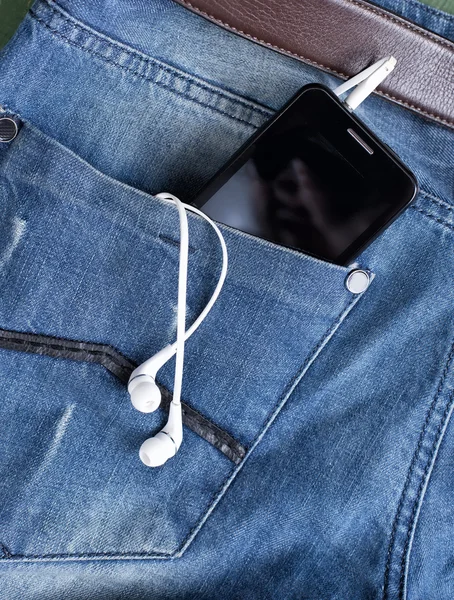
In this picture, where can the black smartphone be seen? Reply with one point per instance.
(313, 178)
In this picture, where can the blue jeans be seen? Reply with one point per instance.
(318, 453)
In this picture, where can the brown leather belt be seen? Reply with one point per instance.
(345, 36)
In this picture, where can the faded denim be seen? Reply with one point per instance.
(335, 407)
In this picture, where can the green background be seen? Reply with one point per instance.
(12, 11)
(11, 14)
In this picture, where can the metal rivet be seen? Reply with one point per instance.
(8, 129)
(357, 281)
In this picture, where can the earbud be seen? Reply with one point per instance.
(142, 387)
(157, 450)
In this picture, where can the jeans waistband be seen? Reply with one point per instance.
(122, 62)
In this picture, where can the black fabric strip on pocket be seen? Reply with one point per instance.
(121, 367)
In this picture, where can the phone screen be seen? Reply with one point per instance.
(314, 179)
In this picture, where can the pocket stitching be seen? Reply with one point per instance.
(241, 103)
(216, 498)
(406, 515)
(273, 415)
(120, 366)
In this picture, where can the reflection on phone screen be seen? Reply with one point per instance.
(297, 190)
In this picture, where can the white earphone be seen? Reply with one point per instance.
(142, 386)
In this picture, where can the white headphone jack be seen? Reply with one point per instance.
(366, 82)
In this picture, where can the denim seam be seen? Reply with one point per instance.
(273, 415)
(420, 495)
(129, 51)
(431, 10)
(409, 485)
(136, 74)
(175, 243)
(4, 552)
(224, 486)
(433, 217)
(324, 67)
(236, 450)
(234, 101)
(84, 353)
(106, 354)
(407, 25)
(436, 200)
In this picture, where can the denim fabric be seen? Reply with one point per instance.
(427, 16)
(341, 402)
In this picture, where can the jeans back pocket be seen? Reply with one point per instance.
(88, 286)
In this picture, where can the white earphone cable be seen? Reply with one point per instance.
(181, 304)
(220, 283)
(222, 276)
